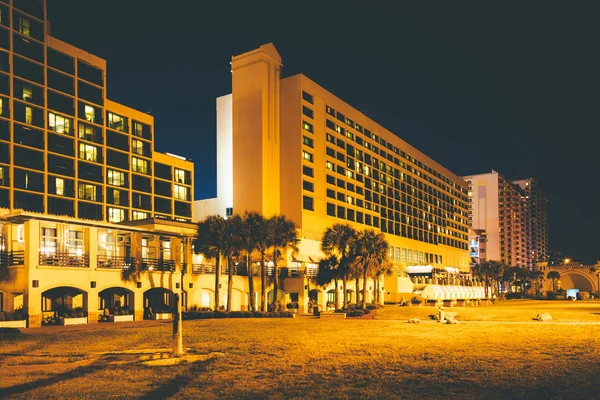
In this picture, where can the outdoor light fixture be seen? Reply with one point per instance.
(35, 283)
(139, 285)
(191, 285)
(93, 284)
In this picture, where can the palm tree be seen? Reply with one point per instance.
(536, 276)
(328, 272)
(252, 232)
(336, 242)
(232, 245)
(384, 268)
(370, 250)
(595, 269)
(282, 235)
(210, 241)
(261, 239)
(555, 276)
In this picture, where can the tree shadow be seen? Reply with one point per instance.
(172, 386)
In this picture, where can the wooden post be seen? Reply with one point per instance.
(177, 327)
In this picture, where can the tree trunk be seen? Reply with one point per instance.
(251, 304)
(357, 288)
(377, 294)
(229, 283)
(336, 297)
(263, 283)
(275, 288)
(344, 285)
(364, 295)
(217, 280)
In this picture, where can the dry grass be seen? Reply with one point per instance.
(495, 353)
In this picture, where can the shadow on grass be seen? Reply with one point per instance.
(174, 385)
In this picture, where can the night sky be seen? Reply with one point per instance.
(512, 86)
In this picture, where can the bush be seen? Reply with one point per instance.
(269, 315)
(221, 314)
(237, 314)
(367, 311)
(583, 295)
(248, 314)
(9, 332)
(357, 313)
(371, 307)
(513, 295)
(258, 314)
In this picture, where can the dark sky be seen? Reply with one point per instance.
(510, 86)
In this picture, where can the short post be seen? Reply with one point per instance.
(177, 328)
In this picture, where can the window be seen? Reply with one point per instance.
(117, 122)
(87, 192)
(60, 186)
(58, 123)
(307, 127)
(308, 171)
(138, 129)
(49, 241)
(115, 215)
(24, 26)
(115, 178)
(307, 111)
(88, 152)
(90, 113)
(139, 215)
(27, 92)
(116, 196)
(75, 242)
(88, 132)
(137, 147)
(307, 203)
(331, 209)
(309, 186)
(403, 255)
(329, 165)
(180, 192)
(307, 141)
(28, 115)
(180, 175)
(397, 254)
(307, 156)
(307, 97)
(139, 165)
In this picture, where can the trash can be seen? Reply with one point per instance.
(316, 311)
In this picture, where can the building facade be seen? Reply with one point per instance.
(290, 147)
(83, 194)
(513, 216)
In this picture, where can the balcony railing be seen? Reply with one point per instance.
(64, 259)
(198, 269)
(10, 258)
(115, 262)
(157, 264)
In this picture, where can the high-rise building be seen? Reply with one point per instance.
(288, 146)
(83, 194)
(538, 221)
(513, 216)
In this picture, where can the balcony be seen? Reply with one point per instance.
(199, 269)
(114, 262)
(10, 258)
(157, 264)
(64, 259)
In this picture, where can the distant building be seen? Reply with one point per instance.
(477, 246)
(513, 215)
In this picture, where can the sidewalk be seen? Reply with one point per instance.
(95, 327)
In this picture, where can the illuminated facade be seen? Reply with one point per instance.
(513, 215)
(290, 147)
(83, 194)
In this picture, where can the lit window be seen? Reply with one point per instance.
(28, 115)
(88, 152)
(307, 156)
(59, 124)
(181, 192)
(87, 192)
(307, 127)
(349, 199)
(3, 175)
(329, 165)
(115, 214)
(90, 114)
(116, 196)
(307, 141)
(24, 26)
(138, 129)
(86, 132)
(1, 106)
(117, 122)
(75, 242)
(27, 92)
(139, 215)
(115, 178)
(179, 175)
(137, 147)
(49, 241)
(139, 165)
(60, 186)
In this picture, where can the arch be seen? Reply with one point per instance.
(350, 295)
(59, 299)
(115, 298)
(157, 300)
(577, 280)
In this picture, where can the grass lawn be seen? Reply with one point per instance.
(497, 352)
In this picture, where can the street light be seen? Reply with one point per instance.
(567, 260)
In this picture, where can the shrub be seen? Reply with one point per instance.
(514, 296)
(269, 315)
(371, 307)
(248, 314)
(9, 332)
(237, 314)
(367, 311)
(357, 313)
(551, 296)
(258, 314)
(583, 295)
(221, 314)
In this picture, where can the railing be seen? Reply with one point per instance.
(115, 262)
(157, 264)
(198, 269)
(63, 259)
(9, 258)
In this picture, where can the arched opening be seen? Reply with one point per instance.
(330, 299)
(157, 301)
(572, 280)
(116, 301)
(350, 296)
(64, 302)
(281, 299)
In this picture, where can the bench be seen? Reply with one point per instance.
(326, 315)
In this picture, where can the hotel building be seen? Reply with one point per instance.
(83, 194)
(288, 146)
(513, 216)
